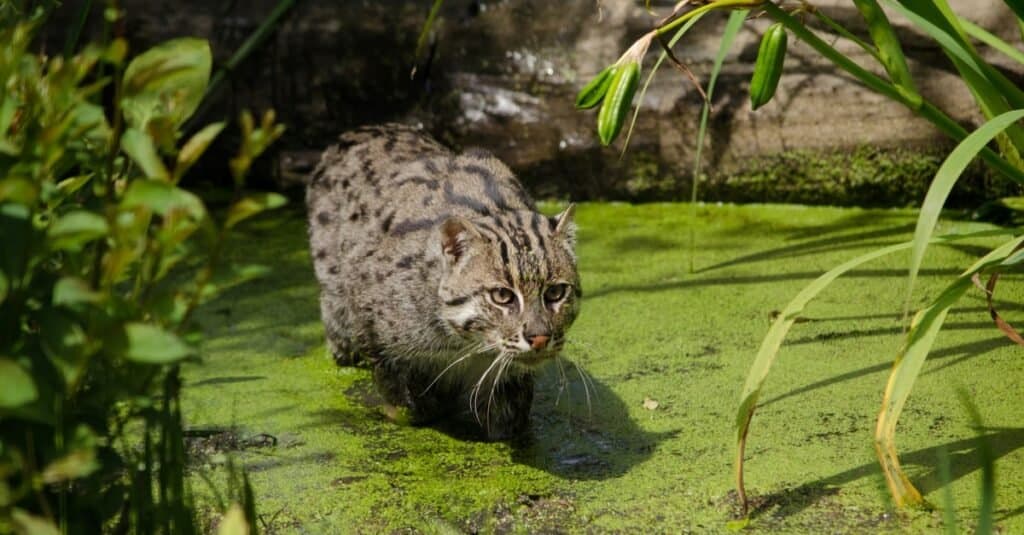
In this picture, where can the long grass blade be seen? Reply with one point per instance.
(942, 185)
(990, 39)
(889, 50)
(732, 28)
(772, 341)
(994, 92)
(920, 338)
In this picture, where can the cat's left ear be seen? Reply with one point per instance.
(564, 225)
(456, 236)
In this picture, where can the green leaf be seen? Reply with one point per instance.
(889, 50)
(195, 147)
(161, 198)
(32, 525)
(71, 291)
(151, 344)
(167, 80)
(732, 29)
(233, 522)
(942, 185)
(75, 229)
(72, 184)
(993, 91)
(19, 190)
(78, 463)
(4, 286)
(140, 148)
(18, 386)
(593, 93)
(991, 40)
(252, 205)
(617, 101)
(64, 342)
(924, 329)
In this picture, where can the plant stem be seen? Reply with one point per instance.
(720, 4)
(247, 48)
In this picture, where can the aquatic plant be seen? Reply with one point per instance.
(999, 100)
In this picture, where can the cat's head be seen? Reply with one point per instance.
(510, 282)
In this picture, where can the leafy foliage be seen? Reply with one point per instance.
(102, 261)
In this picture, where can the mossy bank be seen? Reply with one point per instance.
(651, 447)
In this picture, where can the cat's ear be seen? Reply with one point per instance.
(456, 235)
(564, 225)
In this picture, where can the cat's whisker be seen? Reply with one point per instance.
(563, 381)
(586, 389)
(475, 349)
(474, 396)
(507, 361)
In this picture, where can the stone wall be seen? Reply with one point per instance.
(503, 74)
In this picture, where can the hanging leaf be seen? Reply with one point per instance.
(140, 148)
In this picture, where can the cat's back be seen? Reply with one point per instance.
(377, 195)
(392, 180)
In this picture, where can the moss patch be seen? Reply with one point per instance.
(649, 330)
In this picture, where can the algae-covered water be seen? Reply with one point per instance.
(667, 351)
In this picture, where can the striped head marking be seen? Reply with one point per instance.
(510, 282)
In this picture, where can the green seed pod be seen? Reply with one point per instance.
(593, 93)
(768, 68)
(618, 102)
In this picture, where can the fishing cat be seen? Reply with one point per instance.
(437, 269)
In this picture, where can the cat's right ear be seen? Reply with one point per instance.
(456, 235)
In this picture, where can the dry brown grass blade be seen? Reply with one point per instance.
(989, 289)
(682, 67)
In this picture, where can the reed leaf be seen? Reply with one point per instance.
(920, 338)
(990, 39)
(938, 192)
(889, 50)
(777, 333)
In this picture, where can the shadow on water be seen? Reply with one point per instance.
(575, 432)
(580, 433)
(964, 456)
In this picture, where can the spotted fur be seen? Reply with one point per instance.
(437, 269)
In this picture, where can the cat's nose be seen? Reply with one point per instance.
(538, 341)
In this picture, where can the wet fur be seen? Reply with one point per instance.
(407, 238)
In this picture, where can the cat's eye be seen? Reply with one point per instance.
(555, 293)
(502, 296)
